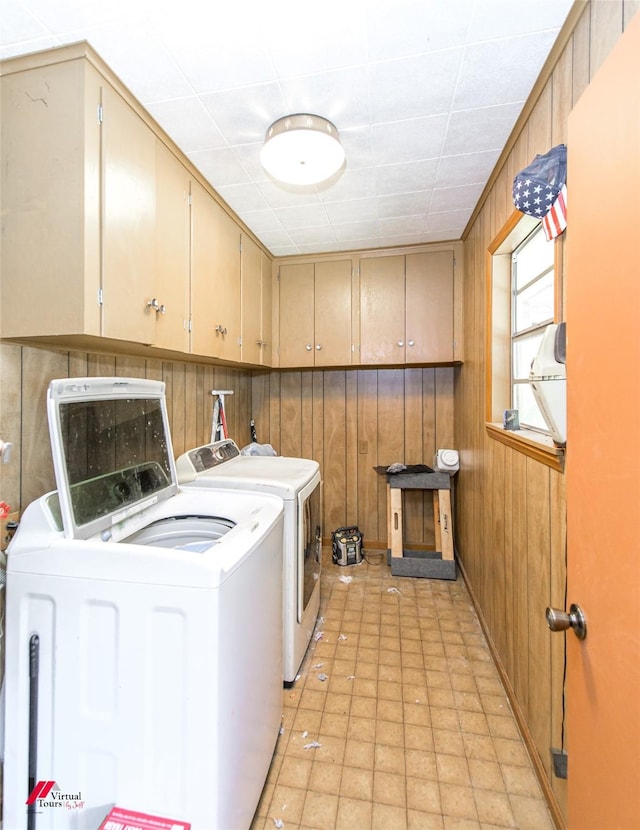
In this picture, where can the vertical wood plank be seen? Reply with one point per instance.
(39, 367)
(390, 427)
(368, 517)
(291, 409)
(334, 443)
(11, 404)
(539, 590)
(413, 454)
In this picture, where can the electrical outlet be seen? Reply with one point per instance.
(363, 447)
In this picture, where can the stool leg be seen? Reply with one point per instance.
(445, 524)
(395, 521)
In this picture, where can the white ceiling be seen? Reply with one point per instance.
(424, 94)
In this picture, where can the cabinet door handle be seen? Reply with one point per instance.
(318, 346)
(308, 347)
(221, 329)
(409, 342)
(400, 343)
(155, 305)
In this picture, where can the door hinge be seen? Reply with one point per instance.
(100, 114)
(189, 200)
(100, 296)
(189, 325)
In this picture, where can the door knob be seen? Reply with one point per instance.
(560, 621)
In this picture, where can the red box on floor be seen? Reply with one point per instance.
(121, 819)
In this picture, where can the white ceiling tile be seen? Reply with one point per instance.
(492, 19)
(353, 184)
(261, 221)
(470, 131)
(487, 75)
(466, 169)
(451, 220)
(356, 230)
(244, 198)
(188, 123)
(406, 178)
(414, 86)
(18, 24)
(304, 39)
(417, 138)
(405, 204)
(402, 225)
(304, 216)
(244, 114)
(221, 166)
(312, 236)
(68, 15)
(133, 45)
(345, 211)
(405, 27)
(282, 196)
(339, 95)
(463, 197)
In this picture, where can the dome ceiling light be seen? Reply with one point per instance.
(302, 149)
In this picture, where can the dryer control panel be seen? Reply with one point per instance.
(208, 456)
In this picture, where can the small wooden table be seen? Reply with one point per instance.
(438, 564)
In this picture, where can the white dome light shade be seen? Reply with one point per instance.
(302, 149)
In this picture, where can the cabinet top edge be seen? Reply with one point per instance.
(54, 55)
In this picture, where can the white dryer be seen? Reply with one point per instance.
(143, 628)
(221, 467)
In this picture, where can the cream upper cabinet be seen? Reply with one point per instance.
(255, 304)
(79, 204)
(170, 304)
(128, 222)
(429, 310)
(51, 179)
(315, 314)
(215, 278)
(407, 308)
(226, 275)
(382, 310)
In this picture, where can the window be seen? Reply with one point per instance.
(524, 294)
(532, 309)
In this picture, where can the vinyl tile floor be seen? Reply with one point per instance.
(398, 719)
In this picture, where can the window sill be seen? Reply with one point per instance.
(539, 447)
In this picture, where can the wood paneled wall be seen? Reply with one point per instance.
(511, 510)
(352, 420)
(25, 373)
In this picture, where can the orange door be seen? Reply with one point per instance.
(603, 449)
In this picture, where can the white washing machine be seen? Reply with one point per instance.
(220, 466)
(143, 628)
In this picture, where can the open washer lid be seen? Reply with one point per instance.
(111, 447)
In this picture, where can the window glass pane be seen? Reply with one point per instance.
(528, 411)
(524, 350)
(534, 305)
(534, 256)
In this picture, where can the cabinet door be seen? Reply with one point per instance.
(203, 257)
(50, 263)
(429, 307)
(128, 221)
(172, 247)
(266, 306)
(382, 330)
(297, 339)
(251, 301)
(332, 313)
(226, 275)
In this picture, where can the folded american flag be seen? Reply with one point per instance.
(555, 221)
